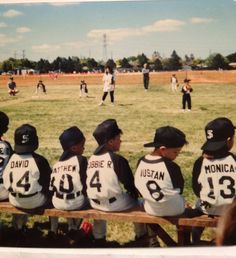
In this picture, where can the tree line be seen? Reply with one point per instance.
(133, 63)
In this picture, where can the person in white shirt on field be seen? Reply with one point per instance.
(109, 85)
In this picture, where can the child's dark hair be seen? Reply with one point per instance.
(4, 121)
(226, 231)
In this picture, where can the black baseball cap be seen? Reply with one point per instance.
(168, 136)
(26, 139)
(4, 121)
(187, 80)
(68, 138)
(105, 131)
(217, 132)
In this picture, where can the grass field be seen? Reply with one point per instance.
(137, 112)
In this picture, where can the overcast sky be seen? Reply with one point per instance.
(50, 30)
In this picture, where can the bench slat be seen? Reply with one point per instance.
(136, 214)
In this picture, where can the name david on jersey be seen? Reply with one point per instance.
(19, 164)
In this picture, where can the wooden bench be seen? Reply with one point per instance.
(183, 225)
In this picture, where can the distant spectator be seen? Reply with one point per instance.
(145, 72)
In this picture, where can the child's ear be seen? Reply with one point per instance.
(73, 148)
(162, 149)
(230, 142)
(109, 142)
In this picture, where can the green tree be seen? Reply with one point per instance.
(91, 64)
(43, 66)
(124, 63)
(142, 59)
(111, 63)
(231, 57)
(157, 65)
(217, 61)
(174, 62)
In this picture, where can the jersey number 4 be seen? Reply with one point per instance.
(95, 181)
(23, 182)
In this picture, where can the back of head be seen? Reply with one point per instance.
(70, 137)
(4, 121)
(217, 132)
(168, 136)
(26, 139)
(226, 229)
(186, 80)
(105, 131)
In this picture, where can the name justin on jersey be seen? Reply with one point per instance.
(219, 168)
(64, 168)
(152, 173)
(100, 164)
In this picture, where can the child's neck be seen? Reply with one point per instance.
(156, 152)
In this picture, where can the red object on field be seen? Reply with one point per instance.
(87, 227)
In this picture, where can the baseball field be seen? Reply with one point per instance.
(137, 112)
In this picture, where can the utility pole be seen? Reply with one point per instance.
(105, 47)
(23, 54)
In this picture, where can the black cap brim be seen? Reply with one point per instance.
(99, 149)
(213, 146)
(20, 149)
(64, 155)
(151, 144)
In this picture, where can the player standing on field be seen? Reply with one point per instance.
(109, 85)
(83, 88)
(174, 83)
(186, 99)
(214, 173)
(5, 153)
(68, 178)
(105, 173)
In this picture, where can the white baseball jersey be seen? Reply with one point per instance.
(214, 182)
(102, 181)
(5, 153)
(67, 185)
(173, 79)
(160, 182)
(107, 80)
(23, 178)
(106, 173)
